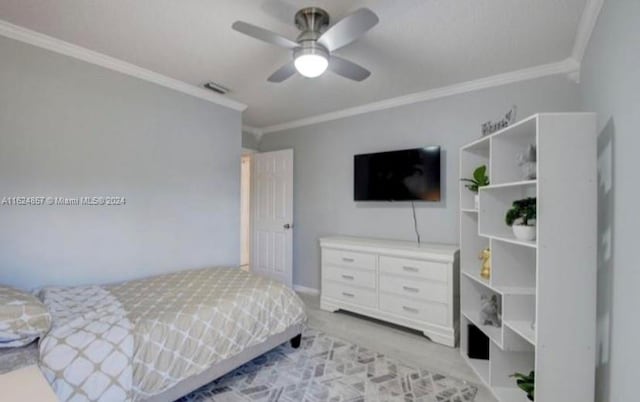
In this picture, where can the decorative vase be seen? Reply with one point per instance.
(524, 232)
(476, 201)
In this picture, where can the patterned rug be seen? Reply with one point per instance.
(328, 369)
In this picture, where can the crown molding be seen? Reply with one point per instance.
(568, 66)
(585, 28)
(255, 131)
(59, 46)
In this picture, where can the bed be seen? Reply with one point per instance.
(157, 339)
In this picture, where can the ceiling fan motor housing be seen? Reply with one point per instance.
(312, 21)
(310, 47)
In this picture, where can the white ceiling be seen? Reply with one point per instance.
(418, 44)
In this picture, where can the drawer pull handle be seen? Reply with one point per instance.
(345, 259)
(410, 289)
(348, 294)
(410, 269)
(410, 309)
(349, 277)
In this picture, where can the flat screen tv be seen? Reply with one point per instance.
(407, 175)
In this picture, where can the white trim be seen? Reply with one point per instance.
(253, 130)
(575, 76)
(59, 46)
(307, 290)
(585, 28)
(567, 66)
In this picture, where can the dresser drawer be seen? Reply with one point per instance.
(350, 276)
(420, 289)
(350, 294)
(434, 271)
(349, 259)
(433, 313)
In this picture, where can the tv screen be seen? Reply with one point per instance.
(407, 175)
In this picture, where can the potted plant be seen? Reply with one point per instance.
(526, 383)
(522, 218)
(480, 179)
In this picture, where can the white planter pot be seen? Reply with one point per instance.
(522, 232)
(476, 201)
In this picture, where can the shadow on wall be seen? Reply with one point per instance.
(605, 259)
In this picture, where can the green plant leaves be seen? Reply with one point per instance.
(526, 383)
(480, 179)
(524, 210)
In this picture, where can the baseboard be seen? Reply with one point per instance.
(304, 289)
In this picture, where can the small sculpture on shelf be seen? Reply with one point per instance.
(489, 311)
(485, 256)
(527, 161)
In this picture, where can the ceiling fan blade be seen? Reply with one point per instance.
(348, 29)
(264, 35)
(348, 69)
(283, 73)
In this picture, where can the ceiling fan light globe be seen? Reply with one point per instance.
(311, 65)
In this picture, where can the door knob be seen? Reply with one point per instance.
(287, 226)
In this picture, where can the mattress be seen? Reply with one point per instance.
(137, 339)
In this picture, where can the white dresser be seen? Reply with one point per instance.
(396, 281)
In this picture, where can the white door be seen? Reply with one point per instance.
(272, 218)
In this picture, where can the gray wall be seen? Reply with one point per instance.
(249, 141)
(610, 86)
(69, 128)
(323, 172)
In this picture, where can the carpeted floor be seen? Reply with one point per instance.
(328, 369)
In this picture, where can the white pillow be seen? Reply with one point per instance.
(23, 318)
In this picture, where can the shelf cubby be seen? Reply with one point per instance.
(519, 313)
(514, 268)
(494, 204)
(505, 147)
(479, 366)
(471, 304)
(471, 157)
(505, 363)
(475, 244)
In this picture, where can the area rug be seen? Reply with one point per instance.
(329, 369)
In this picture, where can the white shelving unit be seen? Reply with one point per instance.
(551, 280)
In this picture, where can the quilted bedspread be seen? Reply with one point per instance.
(135, 340)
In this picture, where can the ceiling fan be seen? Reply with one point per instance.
(312, 50)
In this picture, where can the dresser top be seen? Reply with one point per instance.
(444, 250)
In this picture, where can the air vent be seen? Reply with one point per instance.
(212, 86)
